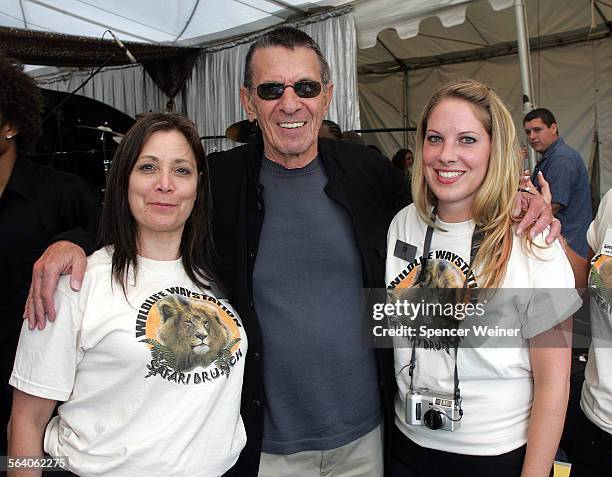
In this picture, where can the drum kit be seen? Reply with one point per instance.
(81, 135)
(86, 151)
(242, 131)
(105, 133)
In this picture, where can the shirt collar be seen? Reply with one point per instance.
(20, 181)
(552, 148)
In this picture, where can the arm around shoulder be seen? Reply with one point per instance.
(61, 258)
(66, 253)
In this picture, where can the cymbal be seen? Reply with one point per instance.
(100, 128)
(91, 152)
(241, 131)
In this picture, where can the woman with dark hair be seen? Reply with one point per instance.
(404, 160)
(147, 358)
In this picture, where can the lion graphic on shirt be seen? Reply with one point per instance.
(441, 274)
(193, 331)
(605, 272)
(600, 280)
(443, 283)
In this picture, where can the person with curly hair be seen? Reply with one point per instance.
(36, 203)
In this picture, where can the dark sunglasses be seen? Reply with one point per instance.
(304, 89)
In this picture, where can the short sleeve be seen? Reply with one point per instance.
(46, 360)
(552, 298)
(560, 176)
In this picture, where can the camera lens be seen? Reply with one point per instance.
(434, 418)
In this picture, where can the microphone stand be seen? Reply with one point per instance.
(67, 98)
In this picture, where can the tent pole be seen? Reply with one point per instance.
(525, 64)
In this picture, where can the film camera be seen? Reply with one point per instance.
(436, 411)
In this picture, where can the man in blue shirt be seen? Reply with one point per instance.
(566, 173)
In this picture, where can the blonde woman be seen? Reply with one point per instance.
(513, 400)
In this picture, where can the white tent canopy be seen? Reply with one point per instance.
(200, 21)
(571, 62)
(156, 21)
(407, 49)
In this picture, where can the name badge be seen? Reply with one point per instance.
(606, 248)
(404, 250)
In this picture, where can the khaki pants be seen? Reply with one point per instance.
(361, 458)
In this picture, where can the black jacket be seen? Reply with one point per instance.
(36, 205)
(362, 181)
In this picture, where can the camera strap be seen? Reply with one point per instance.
(411, 366)
(477, 237)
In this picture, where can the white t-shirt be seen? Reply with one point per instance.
(596, 401)
(496, 382)
(168, 406)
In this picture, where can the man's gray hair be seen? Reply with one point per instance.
(287, 37)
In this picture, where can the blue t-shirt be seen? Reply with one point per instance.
(566, 173)
(320, 381)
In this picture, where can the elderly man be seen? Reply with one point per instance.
(567, 175)
(302, 232)
(300, 227)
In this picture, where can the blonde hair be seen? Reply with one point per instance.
(494, 199)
